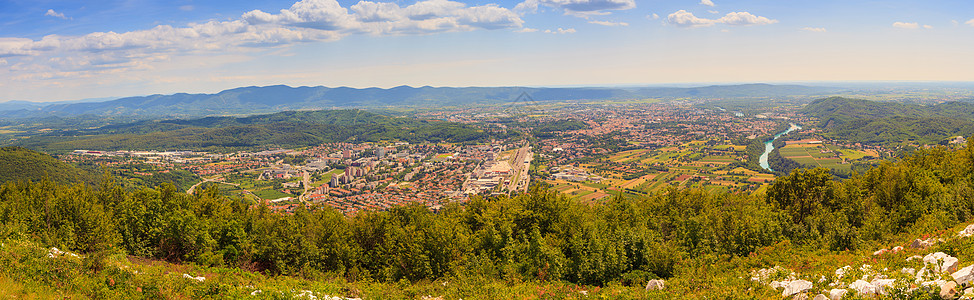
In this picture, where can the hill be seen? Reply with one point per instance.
(268, 99)
(285, 129)
(886, 122)
(18, 163)
(535, 245)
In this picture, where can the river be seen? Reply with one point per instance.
(768, 146)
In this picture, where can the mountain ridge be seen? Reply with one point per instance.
(275, 98)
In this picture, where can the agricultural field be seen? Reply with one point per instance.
(707, 164)
(824, 155)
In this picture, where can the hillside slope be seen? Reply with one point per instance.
(18, 163)
(284, 129)
(873, 122)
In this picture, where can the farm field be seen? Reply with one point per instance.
(822, 155)
(706, 164)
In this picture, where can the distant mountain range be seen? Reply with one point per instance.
(269, 99)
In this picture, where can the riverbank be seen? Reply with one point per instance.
(769, 146)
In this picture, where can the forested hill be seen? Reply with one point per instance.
(249, 100)
(886, 122)
(18, 163)
(285, 129)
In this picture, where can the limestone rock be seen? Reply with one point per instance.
(948, 290)
(796, 287)
(881, 286)
(968, 231)
(964, 276)
(940, 262)
(863, 288)
(655, 284)
(920, 244)
(820, 297)
(836, 294)
(197, 278)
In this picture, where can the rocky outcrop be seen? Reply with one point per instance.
(968, 231)
(965, 276)
(836, 294)
(795, 287)
(655, 284)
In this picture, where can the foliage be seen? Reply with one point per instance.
(285, 129)
(537, 236)
(18, 163)
(863, 121)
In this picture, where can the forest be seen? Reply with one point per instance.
(870, 122)
(284, 130)
(538, 236)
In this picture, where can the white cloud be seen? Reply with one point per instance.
(684, 18)
(654, 16)
(814, 29)
(305, 21)
(525, 29)
(905, 25)
(713, 11)
(608, 23)
(52, 13)
(577, 7)
(187, 8)
(927, 27)
(560, 31)
(970, 22)
(744, 18)
(707, 2)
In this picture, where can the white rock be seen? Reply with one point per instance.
(897, 249)
(964, 276)
(863, 288)
(255, 293)
(968, 231)
(197, 278)
(948, 290)
(940, 262)
(910, 271)
(820, 297)
(836, 294)
(796, 287)
(881, 285)
(880, 252)
(655, 284)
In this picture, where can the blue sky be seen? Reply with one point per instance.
(64, 50)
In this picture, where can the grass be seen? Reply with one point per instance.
(271, 194)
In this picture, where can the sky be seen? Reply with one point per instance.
(54, 50)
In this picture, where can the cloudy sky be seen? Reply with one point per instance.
(70, 49)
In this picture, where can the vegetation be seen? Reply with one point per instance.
(286, 129)
(863, 121)
(538, 237)
(18, 163)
